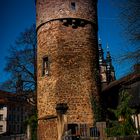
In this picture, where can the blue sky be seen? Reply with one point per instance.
(16, 15)
(111, 31)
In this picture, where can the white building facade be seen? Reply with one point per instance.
(3, 119)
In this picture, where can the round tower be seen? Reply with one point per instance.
(66, 66)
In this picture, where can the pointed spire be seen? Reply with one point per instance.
(107, 47)
(99, 40)
(108, 56)
(100, 44)
(101, 53)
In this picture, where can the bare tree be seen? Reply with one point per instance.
(130, 17)
(21, 62)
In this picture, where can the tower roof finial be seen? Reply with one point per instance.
(107, 47)
(99, 40)
(108, 52)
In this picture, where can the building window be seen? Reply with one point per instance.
(18, 118)
(73, 5)
(14, 128)
(1, 107)
(13, 118)
(1, 117)
(21, 118)
(18, 129)
(9, 128)
(45, 66)
(18, 109)
(10, 117)
(1, 128)
(10, 108)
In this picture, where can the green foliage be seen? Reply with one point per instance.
(95, 99)
(32, 122)
(96, 109)
(125, 126)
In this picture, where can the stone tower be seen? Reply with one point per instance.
(66, 66)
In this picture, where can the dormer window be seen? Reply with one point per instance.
(73, 5)
(45, 66)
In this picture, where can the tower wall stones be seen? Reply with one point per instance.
(67, 37)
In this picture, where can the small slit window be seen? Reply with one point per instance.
(73, 5)
(1, 128)
(45, 66)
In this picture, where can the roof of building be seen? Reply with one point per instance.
(131, 82)
(9, 97)
(123, 81)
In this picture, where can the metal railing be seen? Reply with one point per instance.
(82, 132)
(14, 137)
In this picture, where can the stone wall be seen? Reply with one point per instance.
(47, 129)
(72, 55)
(55, 9)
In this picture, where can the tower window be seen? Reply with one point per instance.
(1, 128)
(73, 5)
(45, 66)
(1, 117)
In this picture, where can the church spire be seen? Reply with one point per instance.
(99, 41)
(108, 56)
(107, 73)
(101, 53)
(107, 47)
(109, 67)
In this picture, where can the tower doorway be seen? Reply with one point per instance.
(73, 128)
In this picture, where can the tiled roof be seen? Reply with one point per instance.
(123, 81)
